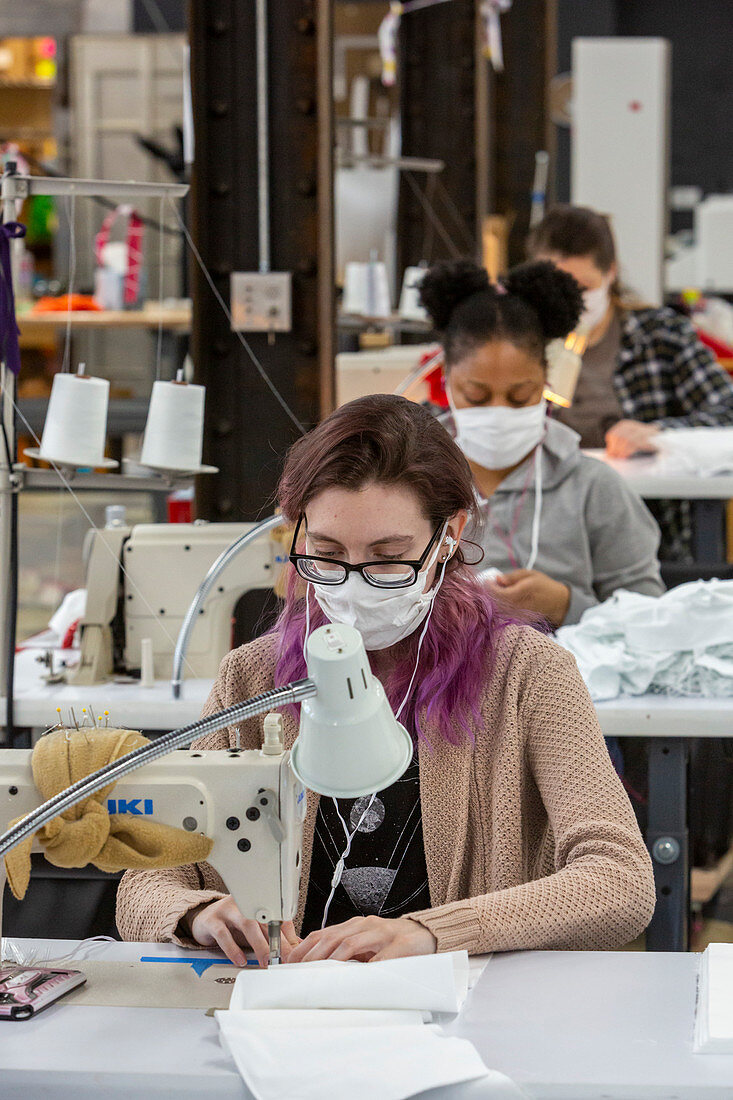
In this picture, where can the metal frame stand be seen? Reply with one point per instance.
(13, 189)
(667, 840)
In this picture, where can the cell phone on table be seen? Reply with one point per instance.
(25, 990)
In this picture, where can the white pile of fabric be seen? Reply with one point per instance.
(328, 1030)
(702, 451)
(680, 643)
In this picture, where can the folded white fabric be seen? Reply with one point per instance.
(323, 1017)
(679, 643)
(703, 451)
(326, 1030)
(422, 983)
(714, 1014)
(360, 1063)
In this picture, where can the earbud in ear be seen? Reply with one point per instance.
(451, 543)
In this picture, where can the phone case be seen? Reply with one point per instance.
(25, 990)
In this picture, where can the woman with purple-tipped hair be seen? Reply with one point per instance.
(510, 829)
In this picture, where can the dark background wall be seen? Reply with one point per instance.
(701, 34)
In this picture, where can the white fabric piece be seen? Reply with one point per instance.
(70, 610)
(422, 983)
(679, 643)
(323, 1017)
(714, 1014)
(360, 1063)
(703, 451)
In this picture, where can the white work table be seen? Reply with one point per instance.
(655, 477)
(129, 704)
(665, 716)
(668, 723)
(154, 708)
(562, 1025)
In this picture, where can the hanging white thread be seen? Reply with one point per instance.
(260, 369)
(70, 207)
(159, 350)
(534, 547)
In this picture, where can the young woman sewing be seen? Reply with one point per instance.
(562, 529)
(644, 369)
(510, 830)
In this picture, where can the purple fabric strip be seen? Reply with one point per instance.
(9, 331)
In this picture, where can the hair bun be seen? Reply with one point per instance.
(447, 284)
(554, 295)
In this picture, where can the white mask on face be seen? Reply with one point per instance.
(382, 616)
(595, 306)
(496, 436)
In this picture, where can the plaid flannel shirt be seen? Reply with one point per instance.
(665, 376)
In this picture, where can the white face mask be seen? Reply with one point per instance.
(382, 616)
(497, 437)
(595, 306)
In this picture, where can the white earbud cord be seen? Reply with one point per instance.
(339, 868)
(534, 546)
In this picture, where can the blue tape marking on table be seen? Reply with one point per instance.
(199, 965)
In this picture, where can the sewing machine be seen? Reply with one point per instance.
(163, 567)
(248, 802)
(251, 803)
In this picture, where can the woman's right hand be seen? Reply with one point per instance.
(220, 924)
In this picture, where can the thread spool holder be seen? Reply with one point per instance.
(15, 477)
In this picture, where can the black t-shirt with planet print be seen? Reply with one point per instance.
(385, 872)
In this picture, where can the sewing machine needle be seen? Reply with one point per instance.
(273, 933)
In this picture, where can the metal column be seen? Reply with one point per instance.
(439, 62)
(667, 840)
(246, 431)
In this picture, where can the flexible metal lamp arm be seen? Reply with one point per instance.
(295, 692)
(191, 616)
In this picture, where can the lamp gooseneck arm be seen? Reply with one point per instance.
(218, 567)
(295, 692)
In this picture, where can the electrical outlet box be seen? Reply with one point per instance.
(261, 302)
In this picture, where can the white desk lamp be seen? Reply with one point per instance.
(350, 742)
(252, 803)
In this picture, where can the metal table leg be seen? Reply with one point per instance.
(667, 840)
(708, 536)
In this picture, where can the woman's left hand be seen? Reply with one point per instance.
(630, 437)
(534, 591)
(366, 939)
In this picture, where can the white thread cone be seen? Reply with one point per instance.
(174, 430)
(410, 307)
(76, 422)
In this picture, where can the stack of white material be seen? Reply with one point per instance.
(680, 643)
(714, 1015)
(329, 1030)
(703, 451)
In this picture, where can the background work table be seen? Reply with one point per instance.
(563, 1025)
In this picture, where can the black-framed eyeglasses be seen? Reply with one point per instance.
(380, 574)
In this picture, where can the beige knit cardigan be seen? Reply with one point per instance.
(530, 840)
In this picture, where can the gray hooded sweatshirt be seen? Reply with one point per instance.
(595, 533)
